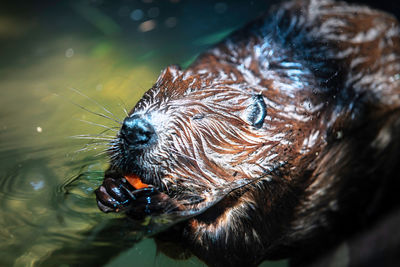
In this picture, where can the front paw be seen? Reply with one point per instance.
(116, 195)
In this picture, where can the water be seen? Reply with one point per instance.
(111, 51)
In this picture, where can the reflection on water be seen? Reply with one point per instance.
(111, 51)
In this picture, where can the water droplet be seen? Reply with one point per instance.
(137, 14)
(147, 26)
(69, 53)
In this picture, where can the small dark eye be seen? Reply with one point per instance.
(198, 116)
(257, 111)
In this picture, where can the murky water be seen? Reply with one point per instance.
(52, 55)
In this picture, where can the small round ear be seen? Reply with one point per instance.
(168, 75)
(256, 111)
(171, 70)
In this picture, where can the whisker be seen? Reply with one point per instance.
(85, 149)
(94, 144)
(91, 138)
(114, 156)
(100, 125)
(112, 149)
(99, 143)
(94, 101)
(100, 153)
(123, 106)
(95, 113)
(90, 149)
(94, 135)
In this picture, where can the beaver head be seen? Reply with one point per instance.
(271, 138)
(191, 135)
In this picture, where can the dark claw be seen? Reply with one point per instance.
(145, 192)
(104, 208)
(149, 201)
(105, 198)
(118, 190)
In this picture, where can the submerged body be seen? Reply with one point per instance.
(280, 141)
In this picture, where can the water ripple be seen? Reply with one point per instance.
(25, 180)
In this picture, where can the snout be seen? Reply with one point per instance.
(137, 132)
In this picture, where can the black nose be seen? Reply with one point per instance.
(137, 131)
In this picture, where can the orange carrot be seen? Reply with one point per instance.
(135, 181)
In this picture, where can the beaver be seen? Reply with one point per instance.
(279, 142)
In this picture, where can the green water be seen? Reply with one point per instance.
(52, 55)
